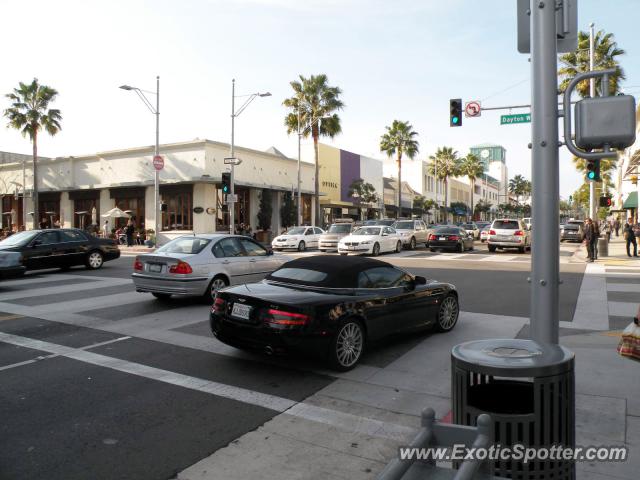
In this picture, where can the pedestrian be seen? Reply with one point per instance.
(630, 238)
(588, 237)
(616, 225)
(56, 224)
(105, 229)
(607, 230)
(128, 230)
(596, 231)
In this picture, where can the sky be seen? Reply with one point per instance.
(401, 59)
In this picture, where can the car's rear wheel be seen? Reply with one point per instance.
(347, 346)
(522, 249)
(432, 249)
(461, 248)
(398, 247)
(302, 246)
(448, 314)
(95, 260)
(492, 248)
(218, 283)
(322, 250)
(161, 296)
(376, 250)
(412, 243)
(343, 254)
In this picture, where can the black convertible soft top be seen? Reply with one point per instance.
(341, 271)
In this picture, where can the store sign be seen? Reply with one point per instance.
(198, 210)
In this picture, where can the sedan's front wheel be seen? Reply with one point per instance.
(412, 244)
(448, 314)
(398, 247)
(347, 346)
(94, 260)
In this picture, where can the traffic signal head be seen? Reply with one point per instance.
(593, 170)
(455, 112)
(605, 201)
(226, 183)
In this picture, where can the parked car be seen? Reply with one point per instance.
(60, 248)
(371, 240)
(11, 265)
(385, 221)
(298, 238)
(200, 265)
(484, 233)
(331, 307)
(411, 232)
(571, 232)
(509, 233)
(482, 224)
(329, 240)
(450, 238)
(471, 229)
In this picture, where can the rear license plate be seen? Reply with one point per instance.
(155, 267)
(241, 311)
(442, 239)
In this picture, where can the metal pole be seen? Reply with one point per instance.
(592, 92)
(299, 216)
(437, 184)
(24, 193)
(232, 205)
(545, 253)
(156, 178)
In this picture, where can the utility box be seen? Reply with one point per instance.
(528, 389)
(605, 120)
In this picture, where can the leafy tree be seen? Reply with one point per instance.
(519, 186)
(30, 113)
(482, 207)
(418, 202)
(399, 139)
(445, 164)
(266, 210)
(288, 211)
(363, 192)
(472, 167)
(314, 103)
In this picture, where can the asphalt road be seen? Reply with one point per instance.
(98, 381)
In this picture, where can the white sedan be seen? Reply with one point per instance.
(371, 240)
(298, 238)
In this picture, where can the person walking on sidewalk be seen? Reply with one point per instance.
(630, 237)
(596, 231)
(128, 231)
(616, 225)
(589, 237)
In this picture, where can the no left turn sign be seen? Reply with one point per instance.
(472, 109)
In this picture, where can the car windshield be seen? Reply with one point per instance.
(367, 231)
(387, 223)
(341, 228)
(296, 231)
(370, 222)
(469, 226)
(299, 275)
(19, 238)
(506, 224)
(571, 226)
(447, 231)
(403, 225)
(189, 245)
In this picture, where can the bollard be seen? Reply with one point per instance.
(603, 247)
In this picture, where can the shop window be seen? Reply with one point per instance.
(179, 213)
(82, 209)
(134, 207)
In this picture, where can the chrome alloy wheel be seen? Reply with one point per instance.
(448, 313)
(217, 284)
(95, 260)
(349, 344)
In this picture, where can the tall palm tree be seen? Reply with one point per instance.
(399, 139)
(445, 164)
(517, 186)
(605, 52)
(30, 113)
(472, 167)
(314, 103)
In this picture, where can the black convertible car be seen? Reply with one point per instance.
(332, 307)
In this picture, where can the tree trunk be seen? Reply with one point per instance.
(399, 214)
(473, 188)
(318, 219)
(36, 213)
(446, 198)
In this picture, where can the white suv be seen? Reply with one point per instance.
(509, 233)
(411, 232)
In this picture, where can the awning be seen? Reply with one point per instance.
(631, 201)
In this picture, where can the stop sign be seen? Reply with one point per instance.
(158, 162)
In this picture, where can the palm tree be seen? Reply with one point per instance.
(605, 52)
(472, 167)
(30, 113)
(313, 106)
(398, 140)
(518, 186)
(446, 164)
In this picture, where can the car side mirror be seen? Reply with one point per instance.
(420, 280)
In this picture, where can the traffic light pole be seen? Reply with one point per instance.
(232, 205)
(545, 254)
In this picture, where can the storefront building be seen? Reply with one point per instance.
(70, 188)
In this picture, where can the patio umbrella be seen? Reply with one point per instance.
(115, 213)
(94, 216)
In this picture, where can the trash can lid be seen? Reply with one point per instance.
(513, 357)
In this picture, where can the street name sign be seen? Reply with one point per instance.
(517, 118)
(158, 162)
(472, 109)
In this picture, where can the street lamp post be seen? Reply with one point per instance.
(234, 161)
(156, 178)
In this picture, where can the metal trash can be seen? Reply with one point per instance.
(603, 247)
(528, 389)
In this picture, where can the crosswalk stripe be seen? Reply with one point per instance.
(623, 309)
(623, 287)
(499, 258)
(57, 290)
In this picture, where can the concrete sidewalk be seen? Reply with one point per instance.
(357, 422)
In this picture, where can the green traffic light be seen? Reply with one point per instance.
(591, 175)
(455, 119)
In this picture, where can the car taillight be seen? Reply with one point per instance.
(519, 233)
(492, 232)
(432, 237)
(137, 265)
(454, 237)
(219, 305)
(281, 317)
(181, 267)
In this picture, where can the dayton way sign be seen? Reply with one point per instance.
(517, 118)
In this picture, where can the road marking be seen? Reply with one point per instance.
(10, 317)
(499, 258)
(591, 307)
(623, 287)
(60, 289)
